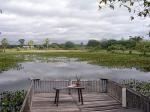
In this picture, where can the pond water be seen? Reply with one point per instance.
(63, 68)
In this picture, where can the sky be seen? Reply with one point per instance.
(66, 20)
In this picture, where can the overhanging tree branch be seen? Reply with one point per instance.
(140, 7)
(1, 11)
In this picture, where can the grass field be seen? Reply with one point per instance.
(103, 58)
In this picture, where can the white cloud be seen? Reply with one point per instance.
(62, 20)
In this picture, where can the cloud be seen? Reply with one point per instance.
(62, 20)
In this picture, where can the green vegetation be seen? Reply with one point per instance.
(116, 47)
(21, 41)
(133, 43)
(4, 43)
(11, 101)
(46, 43)
(93, 43)
(69, 45)
(132, 52)
(30, 44)
(139, 86)
(143, 47)
(118, 60)
(103, 58)
(10, 60)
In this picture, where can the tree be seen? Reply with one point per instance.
(21, 41)
(30, 44)
(122, 48)
(105, 43)
(81, 44)
(93, 43)
(139, 7)
(134, 41)
(129, 44)
(69, 44)
(4, 43)
(136, 38)
(116, 47)
(46, 42)
(143, 46)
(55, 45)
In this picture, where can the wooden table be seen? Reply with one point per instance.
(80, 96)
(79, 89)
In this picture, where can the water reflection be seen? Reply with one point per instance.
(63, 68)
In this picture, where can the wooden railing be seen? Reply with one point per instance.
(43, 86)
(137, 100)
(115, 90)
(47, 86)
(127, 97)
(90, 85)
(28, 100)
(1, 96)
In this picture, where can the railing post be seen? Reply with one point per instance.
(104, 83)
(148, 105)
(69, 90)
(124, 97)
(36, 85)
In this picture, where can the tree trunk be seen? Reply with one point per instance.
(47, 46)
(4, 50)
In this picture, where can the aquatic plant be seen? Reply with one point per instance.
(8, 61)
(115, 60)
(11, 101)
(140, 86)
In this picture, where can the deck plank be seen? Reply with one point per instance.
(93, 102)
(44, 102)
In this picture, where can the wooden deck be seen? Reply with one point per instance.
(93, 102)
(98, 96)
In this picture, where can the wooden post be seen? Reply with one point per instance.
(69, 90)
(104, 85)
(124, 99)
(36, 85)
(148, 106)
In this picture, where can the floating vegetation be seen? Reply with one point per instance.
(115, 60)
(140, 86)
(8, 62)
(11, 101)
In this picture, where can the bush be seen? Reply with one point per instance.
(93, 43)
(69, 44)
